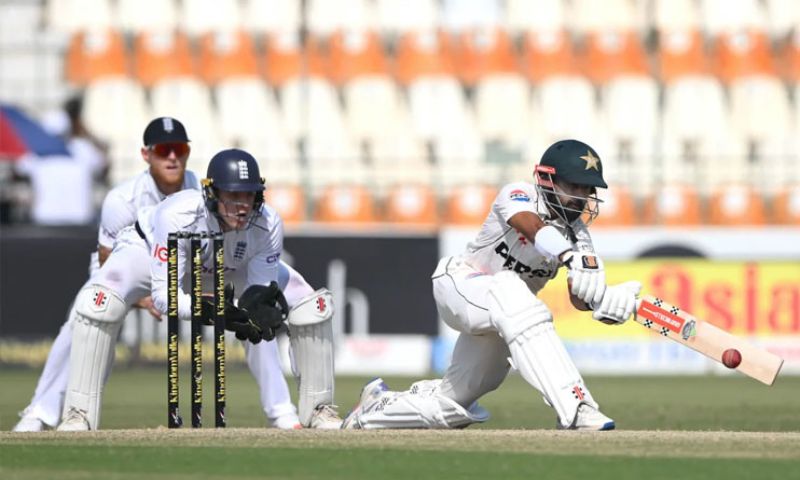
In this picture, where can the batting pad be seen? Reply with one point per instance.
(421, 406)
(311, 337)
(99, 314)
(526, 324)
(542, 360)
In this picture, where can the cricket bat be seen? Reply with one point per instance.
(672, 322)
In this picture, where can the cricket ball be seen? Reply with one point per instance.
(731, 358)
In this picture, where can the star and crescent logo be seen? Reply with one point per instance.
(591, 160)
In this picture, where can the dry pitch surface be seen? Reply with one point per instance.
(667, 444)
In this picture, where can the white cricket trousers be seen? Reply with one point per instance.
(480, 358)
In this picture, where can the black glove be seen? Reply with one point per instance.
(236, 319)
(266, 306)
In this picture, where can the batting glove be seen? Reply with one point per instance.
(618, 303)
(586, 276)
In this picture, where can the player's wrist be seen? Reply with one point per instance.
(551, 243)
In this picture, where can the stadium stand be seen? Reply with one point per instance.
(407, 108)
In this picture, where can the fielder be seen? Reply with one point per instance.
(488, 293)
(166, 151)
(231, 201)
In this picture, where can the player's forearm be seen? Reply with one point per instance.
(160, 296)
(102, 254)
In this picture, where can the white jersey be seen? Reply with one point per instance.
(499, 247)
(252, 254)
(123, 202)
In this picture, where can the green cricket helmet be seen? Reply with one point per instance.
(576, 163)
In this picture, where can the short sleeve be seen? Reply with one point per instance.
(115, 215)
(514, 198)
(263, 266)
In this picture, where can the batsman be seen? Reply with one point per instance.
(488, 293)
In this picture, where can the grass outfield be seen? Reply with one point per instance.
(670, 427)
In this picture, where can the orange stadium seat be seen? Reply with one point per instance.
(681, 53)
(469, 205)
(227, 54)
(289, 201)
(345, 204)
(356, 53)
(285, 59)
(411, 204)
(617, 209)
(786, 206)
(423, 54)
(743, 53)
(673, 205)
(95, 54)
(548, 54)
(161, 55)
(736, 205)
(613, 53)
(790, 61)
(482, 52)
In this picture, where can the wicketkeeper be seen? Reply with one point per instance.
(253, 242)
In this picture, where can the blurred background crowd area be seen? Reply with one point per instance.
(415, 111)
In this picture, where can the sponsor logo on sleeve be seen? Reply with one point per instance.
(273, 258)
(160, 252)
(519, 196)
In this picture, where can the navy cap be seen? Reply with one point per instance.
(165, 130)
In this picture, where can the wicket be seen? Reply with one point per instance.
(174, 419)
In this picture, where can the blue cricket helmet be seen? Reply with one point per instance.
(234, 170)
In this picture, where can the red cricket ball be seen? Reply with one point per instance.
(731, 358)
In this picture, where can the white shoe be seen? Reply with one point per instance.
(287, 422)
(74, 421)
(29, 423)
(371, 396)
(325, 417)
(589, 418)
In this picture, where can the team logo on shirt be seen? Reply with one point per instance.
(244, 172)
(238, 253)
(519, 196)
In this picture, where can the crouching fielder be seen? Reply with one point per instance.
(488, 294)
(231, 201)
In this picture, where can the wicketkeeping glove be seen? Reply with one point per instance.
(618, 303)
(266, 306)
(236, 319)
(586, 276)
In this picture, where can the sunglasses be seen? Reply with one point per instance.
(164, 149)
